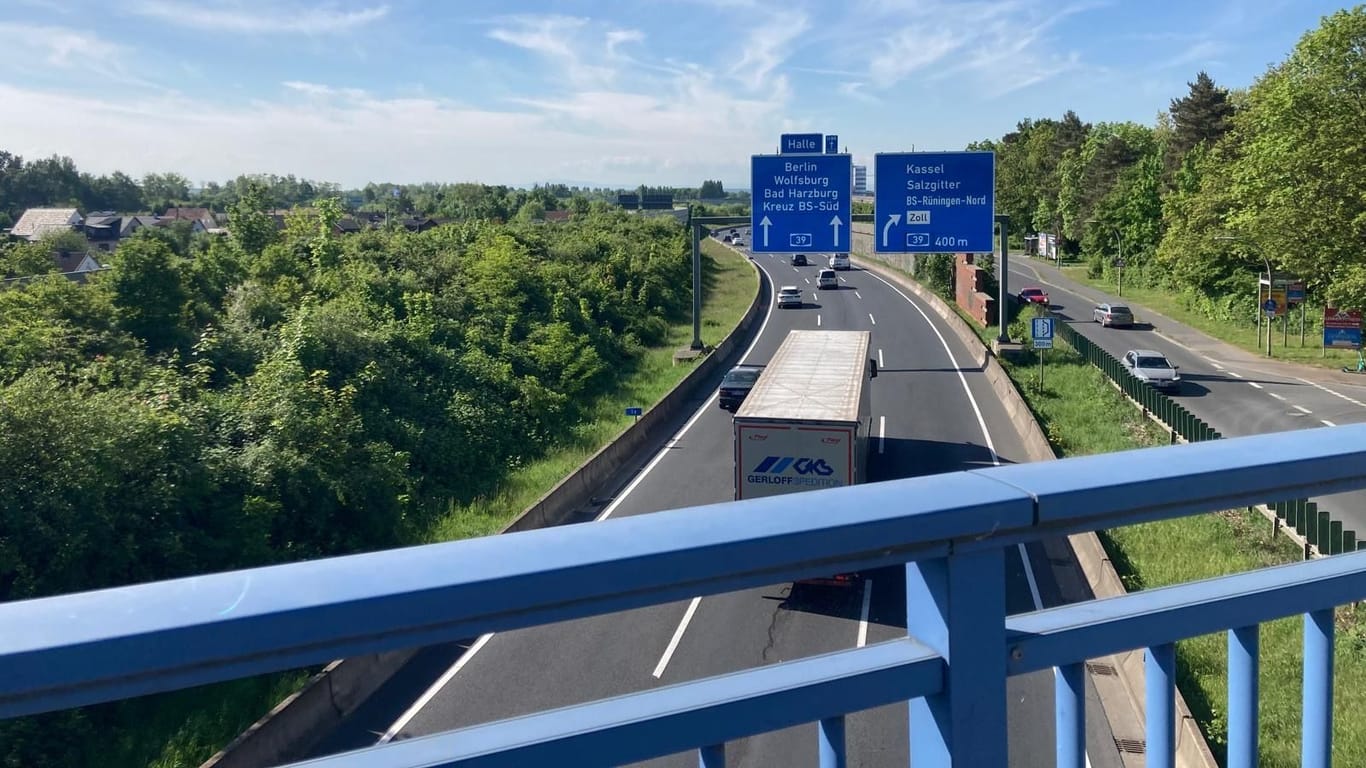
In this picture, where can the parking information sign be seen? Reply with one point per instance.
(934, 202)
(801, 203)
(1041, 328)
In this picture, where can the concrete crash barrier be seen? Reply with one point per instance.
(1121, 687)
(294, 726)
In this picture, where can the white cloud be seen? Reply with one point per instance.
(266, 18)
(572, 45)
(769, 43)
(59, 46)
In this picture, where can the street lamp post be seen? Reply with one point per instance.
(1270, 280)
(1119, 263)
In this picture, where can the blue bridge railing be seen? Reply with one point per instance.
(951, 530)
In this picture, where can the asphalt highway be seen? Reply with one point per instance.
(1233, 391)
(933, 413)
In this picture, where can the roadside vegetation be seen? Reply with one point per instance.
(290, 394)
(1226, 180)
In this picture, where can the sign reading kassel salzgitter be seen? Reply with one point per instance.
(934, 202)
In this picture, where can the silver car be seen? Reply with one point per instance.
(1110, 315)
(1152, 368)
(789, 296)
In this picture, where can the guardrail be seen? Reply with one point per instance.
(1315, 529)
(952, 530)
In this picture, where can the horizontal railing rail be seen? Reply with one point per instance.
(952, 530)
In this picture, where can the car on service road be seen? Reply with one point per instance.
(1033, 295)
(789, 296)
(827, 278)
(1152, 368)
(1112, 315)
(736, 384)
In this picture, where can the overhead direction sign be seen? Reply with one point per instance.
(934, 202)
(801, 204)
(800, 143)
(832, 144)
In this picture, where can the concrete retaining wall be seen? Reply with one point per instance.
(294, 726)
(1191, 749)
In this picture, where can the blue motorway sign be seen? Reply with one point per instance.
(801, 204)
(1041, 329)
(634, 411)
(832, 144)
(799, 143)
(934, 202)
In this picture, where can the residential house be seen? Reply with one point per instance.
(202, 215)
(105, 230)
(557, 215)
(76, 262)
(37, 222)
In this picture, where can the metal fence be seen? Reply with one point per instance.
(952, 531)
(1320, 532)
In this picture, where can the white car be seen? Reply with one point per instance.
(738, 242)
(839, 261)
(789, 296)
(1152, 368)
(826, 279)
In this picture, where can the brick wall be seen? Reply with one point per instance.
(969, 281)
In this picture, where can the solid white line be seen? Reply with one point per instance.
(1235, 373)
(1327, 423)
(678, 635)
(1278, 397)
(1302, 409)
(872, 319)
(863, 615)
(880, 364)
(1255, 384)
(881, 433)
(430, 693)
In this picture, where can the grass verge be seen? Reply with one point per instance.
(1082, 413)
(1183, 309)
(185, 728)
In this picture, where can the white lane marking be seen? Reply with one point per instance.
(808, 280)
(678, 635)
(859, 295)
(881, 433)
(1235, 373)
(1278, 397)
(880, 364)
(430, 693)
(986, 437)
(1302, 409)
(863, 615)
(1255, 384)
(1216, 365)
(818, 321)
(872, 319)
(1327, 423)
(607, 512)
(1332, 392)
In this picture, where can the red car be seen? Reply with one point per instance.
(1033, 296)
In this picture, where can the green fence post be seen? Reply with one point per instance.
(1325, 543)
(1301, 524)
(1311, 524)
(1349, 541)
(1334, 537)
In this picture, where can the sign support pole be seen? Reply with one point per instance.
(1041, 371)
(1003, 286)
(694, 229)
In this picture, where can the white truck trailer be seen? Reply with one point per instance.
(805, 423)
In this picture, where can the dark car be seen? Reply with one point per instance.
(736, 384)
(1034, 296)
(798, 259)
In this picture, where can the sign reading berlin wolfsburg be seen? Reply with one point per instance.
(801, 203)
(934, 202)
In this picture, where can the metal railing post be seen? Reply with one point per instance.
(713, 756)
(1069, 687)
(831, 730)
(1317, 743)
(1159, 672)
(1243, 662)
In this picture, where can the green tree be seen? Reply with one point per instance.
(1202, 116)
(249, 223)
(149, 293)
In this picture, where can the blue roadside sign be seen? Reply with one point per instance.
(832, 144)
(1041, 329)
(801, 204)
(800, 143)
(1269, 307)
(635, 411)
(934, 202)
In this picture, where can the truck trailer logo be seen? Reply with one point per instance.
(810, 473)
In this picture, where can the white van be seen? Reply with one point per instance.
(839, 261)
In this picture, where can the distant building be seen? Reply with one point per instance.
(860, 179)
(37, 222)
(202, 215)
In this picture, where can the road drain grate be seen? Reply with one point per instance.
(1132, 746)
(1100, 668)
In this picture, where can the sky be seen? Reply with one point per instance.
(616, 94)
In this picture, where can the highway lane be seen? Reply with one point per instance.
(930, 426)
(1233, 391)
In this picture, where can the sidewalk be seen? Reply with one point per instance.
(1195, 340)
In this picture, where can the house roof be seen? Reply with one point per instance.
(188, 214)
(557, 215)
(36, 222)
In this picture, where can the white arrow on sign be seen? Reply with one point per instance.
(765, 223)
(892, 220)
(835, 224)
